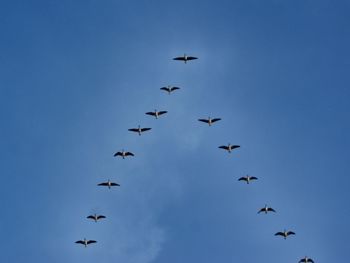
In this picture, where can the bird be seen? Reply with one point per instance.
(185, 58)
(210, 121)
(109, 184)
(266, 209)
(95, 217)
(285, 233)
(247, 178)
(306, 260)
(85, 242)
(229, 147)
(156, 113)
(123, 154)
(139, 130)
(169, 89)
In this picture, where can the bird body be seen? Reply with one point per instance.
(85, 242)
(210, 121)
(285, 233)
(266, 209)
(169, 89)
(156, 113)
(139, 130)
(185, 58)
(247, 178)
(229, 148)
(306, 260)
(95, 217)
(123, 154)
(109, 184)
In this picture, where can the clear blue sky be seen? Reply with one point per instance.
(75, 75)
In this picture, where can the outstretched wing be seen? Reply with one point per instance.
(216, 119)
(271, 209)
(145, 129)
(91, 241)
(115, 184)
(243, 179)
(79, 242)
(151, 113)
(179, 58)
(118, 153)
(279, 234)
(223, 147)
(90, 217)
(162, 112)
(234, 146)
(261, 210)
(133, 130)
(174, 88)
(203, 120)
(165, 88)
(129, 154)
(253, 178)
(100, 217)
(103, 184)
(290, 233)
(191, 58)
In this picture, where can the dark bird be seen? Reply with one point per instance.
(185, 58)
(266, 209)
(229, 147)
(123, 154)
(306, 260)
(109, 184)
(210, 121)
(156, 113)
(85, 242)
(285, 233)
(247, 178)
(139, 130)
(95, 217)
(169, 89)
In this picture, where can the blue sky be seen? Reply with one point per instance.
(75, 75)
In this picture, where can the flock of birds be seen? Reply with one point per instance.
(229, 148)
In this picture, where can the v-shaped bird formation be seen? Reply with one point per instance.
(229, 148)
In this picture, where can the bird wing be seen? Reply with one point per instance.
(191, 58)
(115, 184)
(79, 242)
(242, 179)
(174, 88)
(129, 154)
(91, 241)
(216, 119)
(290, 233)
(145, 129)
(133, 130)
(223, 147)
(117, 153)
(90, 217)
(310, 260)
(279, 234)
(302, 260)
(271, 209)
(100, 217)
(162, 112)
(103, 184)
(179, 58)
(261, 210)
(253, 178)
(204, 120)
(165, 88)
(235, 146)
(150, 113)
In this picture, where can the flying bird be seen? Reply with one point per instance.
(185, 58)
(156, 113)
(123, 154)
(139, 130)
(85, 242)
(229, 147)
(285, 233)
(95, 217)
(247, 178)
(210, 121)
(109, 184)
(169, 89)
(266, 209)
(306, 260)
